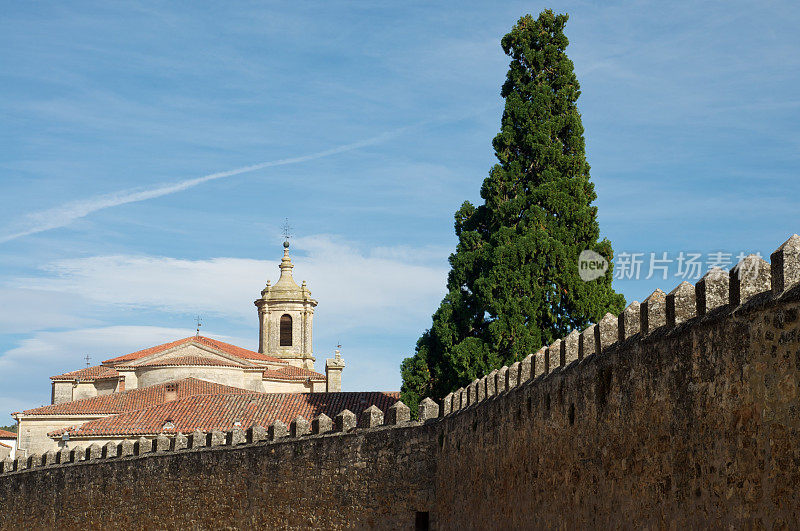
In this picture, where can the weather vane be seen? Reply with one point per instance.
(199, 321)
(287, 230)
(87, 358)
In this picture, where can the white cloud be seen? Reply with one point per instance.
(25, 310)
(217, 285)
(387, 287)
(65, 350)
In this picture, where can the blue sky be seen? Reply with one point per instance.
(371, 123)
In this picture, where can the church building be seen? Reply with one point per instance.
(200, 383)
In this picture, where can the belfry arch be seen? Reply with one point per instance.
(286, 330)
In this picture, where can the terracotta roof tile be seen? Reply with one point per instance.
(4, 445)
(292, 373)
(134, 399)
(98, 372)
(190, 360)
(220, 412)
(213, 343)
(7, 434)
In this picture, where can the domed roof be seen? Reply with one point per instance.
(286, 289)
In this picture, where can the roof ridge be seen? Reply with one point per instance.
(292, 372)
(220, 345)
(184, 359)
(100, 369)
(122, 394)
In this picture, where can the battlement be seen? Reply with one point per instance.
(717, 294)
(372, 418)
(680, 411)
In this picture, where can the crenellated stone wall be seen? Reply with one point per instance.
(301, 476)
(682, 411)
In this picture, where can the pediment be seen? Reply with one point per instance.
(192, 350)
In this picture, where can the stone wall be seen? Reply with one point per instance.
(61, 392)
(682, 411)
(33, 431)
(693, 427)
(366, 479)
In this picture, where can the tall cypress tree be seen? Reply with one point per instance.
(514, 285)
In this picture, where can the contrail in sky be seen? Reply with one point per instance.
(65, 214)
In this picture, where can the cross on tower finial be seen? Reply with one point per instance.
(199, 321)
(87, 358)
(287, 230)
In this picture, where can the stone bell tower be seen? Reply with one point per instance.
(285, 316)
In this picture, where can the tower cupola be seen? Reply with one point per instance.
(285, 315)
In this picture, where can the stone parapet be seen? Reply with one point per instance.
(626, 430)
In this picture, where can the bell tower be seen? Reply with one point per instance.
(285, 317)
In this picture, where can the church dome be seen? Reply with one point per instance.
(286, 289)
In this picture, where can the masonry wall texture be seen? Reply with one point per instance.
(371, 478)
(695, 426)
(690, 419)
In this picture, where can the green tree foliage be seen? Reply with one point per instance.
(514, 285)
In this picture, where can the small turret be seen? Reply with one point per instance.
(333, 371)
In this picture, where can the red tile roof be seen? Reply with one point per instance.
(7, 434)
(220, 412)
(134, 399)
(190, 360)
(4, 445)
(98, 372)
(213, 343)
(292, 373)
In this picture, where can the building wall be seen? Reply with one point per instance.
(69, 391)
(5, 452)
(149, 376)
(298, 386)
(253, 380)
(106, 387)
(129, 377)
(12, 443)
(32, 431)
(84, 390)
(61, 392)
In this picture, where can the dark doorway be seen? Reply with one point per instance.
(422, 522)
